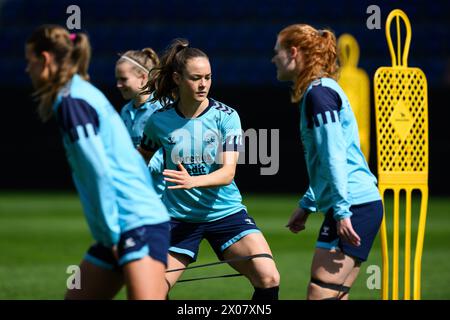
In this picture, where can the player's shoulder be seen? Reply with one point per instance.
(84, 90)
(322, 95)
(222, 108)
(165, 109)
(322, 88)
(73, 112)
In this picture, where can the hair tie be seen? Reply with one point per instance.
(321, 32)
(72, 36)
(182, 47)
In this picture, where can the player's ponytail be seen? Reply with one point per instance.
(71, 54)
(81, 54)
(329, 53)
(152, 58)
(174, 59)
(317, 56)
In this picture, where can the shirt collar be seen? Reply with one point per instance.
(130, 107)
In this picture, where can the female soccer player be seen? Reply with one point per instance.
(132, 70)
(127, 220)
(340, 182)
(201, 137)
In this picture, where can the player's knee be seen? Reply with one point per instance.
(268, 280)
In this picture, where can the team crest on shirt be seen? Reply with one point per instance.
(171, 140)
(210, 139)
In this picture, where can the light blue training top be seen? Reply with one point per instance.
(135, 120)
(338, 172)
(111, 177)
(196, 143)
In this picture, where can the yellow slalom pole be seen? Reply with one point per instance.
(401, 110)
(407, 281)
(419, 243)
(396, 244)
(385, 255)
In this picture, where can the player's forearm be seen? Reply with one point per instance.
(222, 177)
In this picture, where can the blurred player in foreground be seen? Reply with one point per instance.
(126, 218)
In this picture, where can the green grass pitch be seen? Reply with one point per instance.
(42, 234)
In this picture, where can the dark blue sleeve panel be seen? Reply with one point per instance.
(320, 100)
(73, 113)
(231, 130)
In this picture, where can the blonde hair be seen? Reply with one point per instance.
(317, 51)
(72, 54)
(145, 59)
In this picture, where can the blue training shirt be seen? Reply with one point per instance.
(111, 177)
(156, 166)
(135, 120)
(196, 143)
(338, 172)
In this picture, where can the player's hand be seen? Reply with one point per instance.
(346, 232)
(181, 178)
(298, 220)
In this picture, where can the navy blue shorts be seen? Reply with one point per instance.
(222, 233)
(148, 240)
(366, 220)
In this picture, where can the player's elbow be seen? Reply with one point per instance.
(228, 180)
(228, 176)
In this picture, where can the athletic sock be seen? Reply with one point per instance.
(266, 293)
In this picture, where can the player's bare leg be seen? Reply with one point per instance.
(262, 272)
(332, 271)
(175, 261)
(145, 279)
(96, 283)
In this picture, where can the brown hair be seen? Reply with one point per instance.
(173, 60)
(317, 51)
(72, 54)
(146, 57)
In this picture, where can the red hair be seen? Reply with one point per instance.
(317, 50)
